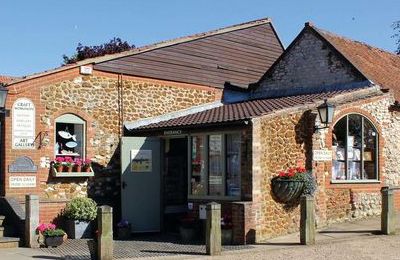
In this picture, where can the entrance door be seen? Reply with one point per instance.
(140, 183)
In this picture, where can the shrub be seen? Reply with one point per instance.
(82, 209)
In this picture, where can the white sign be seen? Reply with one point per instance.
(22, 181)
(322, 155)
(141, 161)
(86, 70)
(202, 212)
(23, 124)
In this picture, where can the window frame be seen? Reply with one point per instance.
(376, 154)
(70, 118)
(206, 136)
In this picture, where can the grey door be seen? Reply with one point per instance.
(140, 183)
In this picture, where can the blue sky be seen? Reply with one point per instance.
(35, 34)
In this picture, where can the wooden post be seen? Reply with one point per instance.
(307, 221)
(213, 229)
(105, 238)
(388, 215)
(31, 220)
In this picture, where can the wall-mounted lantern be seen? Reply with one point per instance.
(3, 97)
(326, 112)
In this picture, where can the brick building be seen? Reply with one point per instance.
(240, 146)
(78, 110)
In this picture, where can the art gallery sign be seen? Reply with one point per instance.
(23, 124)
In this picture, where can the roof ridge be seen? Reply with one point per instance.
(150, 47)
(323, 31)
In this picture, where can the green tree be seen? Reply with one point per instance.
(115, 45)
(396, 35)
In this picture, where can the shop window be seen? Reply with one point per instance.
(355, 149)
(69, 136)
(215, 165)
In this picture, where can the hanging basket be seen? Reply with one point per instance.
(286, 191)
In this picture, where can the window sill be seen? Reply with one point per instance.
(220, 198)
(355, 182)
(73, 174)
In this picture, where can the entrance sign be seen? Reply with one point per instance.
(322, 155)
(22, 181)
(23, 124)
(22, 164)
(141, 161)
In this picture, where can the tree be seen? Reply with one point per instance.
(396, 35)
(115, 45)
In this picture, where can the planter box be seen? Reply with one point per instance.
(79, 229)
(53, 241)
(72, 174)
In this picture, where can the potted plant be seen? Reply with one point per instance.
(68, 163)
(58, 163)
(288, 186)
(86, 165)
(124, 229)
(226, 230)
(188, 228)
(79, 213)
(53, 236)
(78, 164)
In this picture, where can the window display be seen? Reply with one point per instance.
(354, 145)
(198, 178)
(69, 136)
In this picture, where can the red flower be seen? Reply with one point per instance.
(291, 174)
(282, 174)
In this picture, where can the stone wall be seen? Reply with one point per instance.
(286, 140)
(308, 63)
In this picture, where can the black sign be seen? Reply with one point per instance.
(22, 164)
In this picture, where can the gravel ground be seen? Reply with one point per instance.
(370, 247)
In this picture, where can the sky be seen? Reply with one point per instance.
(35, 34)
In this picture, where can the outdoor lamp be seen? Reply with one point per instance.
(3, 96)
(325, 111)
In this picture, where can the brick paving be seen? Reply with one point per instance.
(144, 246)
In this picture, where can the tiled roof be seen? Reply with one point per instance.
(230, 113)
(6, 79)
(379, 66)
(151, 47)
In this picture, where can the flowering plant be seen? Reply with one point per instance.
(226, 222)
(69, 162)
(49, 230)
(58, 161)
(293, 173)
(87, 162)
(78, 161)
(123, 223)
(300, 174)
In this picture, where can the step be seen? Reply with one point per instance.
(9, 242)
(1, 220)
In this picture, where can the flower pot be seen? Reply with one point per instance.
(53, 241)
(226, 236)
(187, 234)
(87, 169)
(79, 229)
(78, 168)
(286, 190)
(59, 168)
(67, 168)
(124, 233)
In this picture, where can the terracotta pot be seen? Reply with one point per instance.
(87, 169)
(78, 168)
(53, 241)
(60, 168)
(287, 190)
(68, 168)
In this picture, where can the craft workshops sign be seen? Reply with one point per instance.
(23, 124)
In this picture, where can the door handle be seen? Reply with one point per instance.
(124, 184)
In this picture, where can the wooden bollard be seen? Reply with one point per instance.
(307, 221)
(31, 220)
(213, 229)
(388, 215)
(105, 238)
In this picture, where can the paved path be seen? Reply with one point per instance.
(352, 240)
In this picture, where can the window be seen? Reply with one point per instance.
(69, 136)
(215, 165)
(355, 150)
